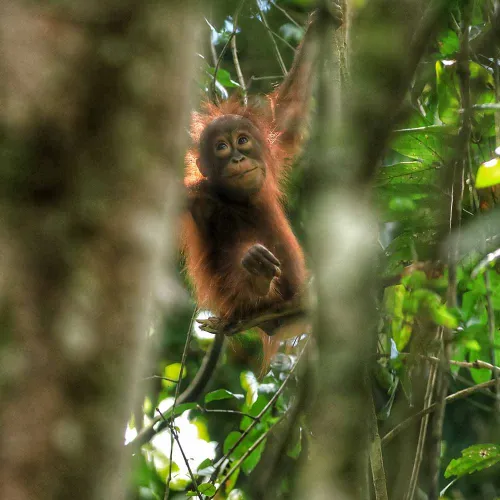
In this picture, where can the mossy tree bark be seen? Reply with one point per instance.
(94, 101)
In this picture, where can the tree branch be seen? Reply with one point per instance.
(464, 393)
(190, 394)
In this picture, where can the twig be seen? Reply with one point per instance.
(280, 38)
(287, 15)
(477, 364)
(376, 458)
(191, 393)
(467, 383)
(161, 378)
(213, 51)
(264, 410)
(236, 62)
(457, 179)
(273, 468)
(273, 77)
(226, 45)
(273, 41)
(177, 388)
(174, 435)
(422, 435)
(247, 454)
(248, 323)
(232, 412)
(449, 399)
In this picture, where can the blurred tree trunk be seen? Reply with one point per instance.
(94, 100)
(352, 129)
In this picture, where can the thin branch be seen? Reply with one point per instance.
(409, 174)
(257, 78)
(376, 458)
(264, 410)
(250, 450)
(226, 45)
(273, 41)
(174, 435)
(422, 435)
(236, 62)
(246, 324)
(213, 51)
(161, 378)
(287, 15)
(477, 364)
(274, 465)
(449, 399)
(280, 38)
(231, 412)
(177, 388)
(457, 179)
(273, 77)
(190, 394)
(485, 392)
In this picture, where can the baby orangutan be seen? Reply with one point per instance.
(241, 254)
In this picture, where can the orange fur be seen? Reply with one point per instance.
(225, 288)
(221, 284)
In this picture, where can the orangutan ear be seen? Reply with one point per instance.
(203, 170)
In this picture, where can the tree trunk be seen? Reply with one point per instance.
(94, 100)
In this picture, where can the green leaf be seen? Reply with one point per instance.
(417, 279)
(295, 447)
(400, 324)
(223, 77)
(231, 482)
(481, 73)
(207, 489)
(472, 345)
(419, 146)
(474, 459)
(206, 467)
(179, 410)
(400, 204)
(253, 459)
(173, 372)
(442, 316)
(488, 174)
(447, 90)
(230, 441)
(449, 44)
(221, 394)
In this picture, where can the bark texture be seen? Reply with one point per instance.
(94, 101)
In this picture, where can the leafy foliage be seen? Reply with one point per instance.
(474, 458)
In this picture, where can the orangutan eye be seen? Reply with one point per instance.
(221, 146)
(242, 139)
